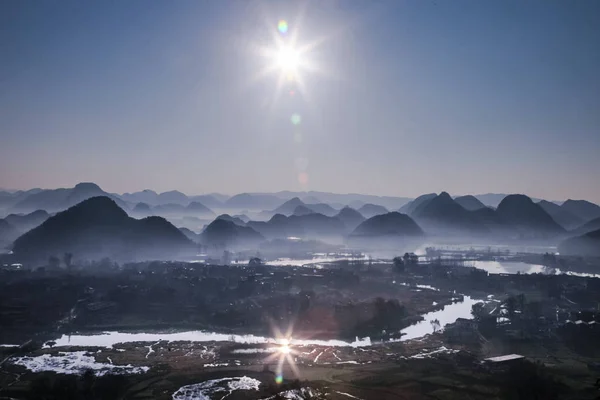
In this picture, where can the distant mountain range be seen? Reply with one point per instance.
(195, 208)
(295, 206)
(152, 198)
(516, 216)
(61, 199)
(494, 199)
(26, 222)
(9, 199)
(310, 225)
(354, 200)
(15, 225)
(442, 214)
(317, 213)
(98, 228)
(249, 201)
(267, 201)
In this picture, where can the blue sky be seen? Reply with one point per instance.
(409, 97)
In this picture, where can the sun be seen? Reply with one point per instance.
(287, 59)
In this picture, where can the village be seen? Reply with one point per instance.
(423, 311)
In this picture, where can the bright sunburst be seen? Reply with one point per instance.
(288, 59)
(284, 347)
(285, 354)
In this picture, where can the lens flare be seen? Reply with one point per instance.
(282, 26)
(303, 178)
(288, 57)
(284, 353)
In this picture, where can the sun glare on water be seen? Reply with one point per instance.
(285, 349)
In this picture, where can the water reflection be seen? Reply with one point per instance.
(445, 316)
(509, 267)
(318, 258)
(109, 339)
(513, 248)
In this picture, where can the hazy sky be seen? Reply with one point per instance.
(404, 97)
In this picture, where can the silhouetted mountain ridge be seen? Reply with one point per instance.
(442, 214)
(390, 224)
(350, 217)
(98, 228)
(235, 220)
(563, 217)
(410, 207)
(223, 232)
(197, 208)
(469, 203)
(313, 224)
(526, 216)
(370, 210)
(583, 209)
